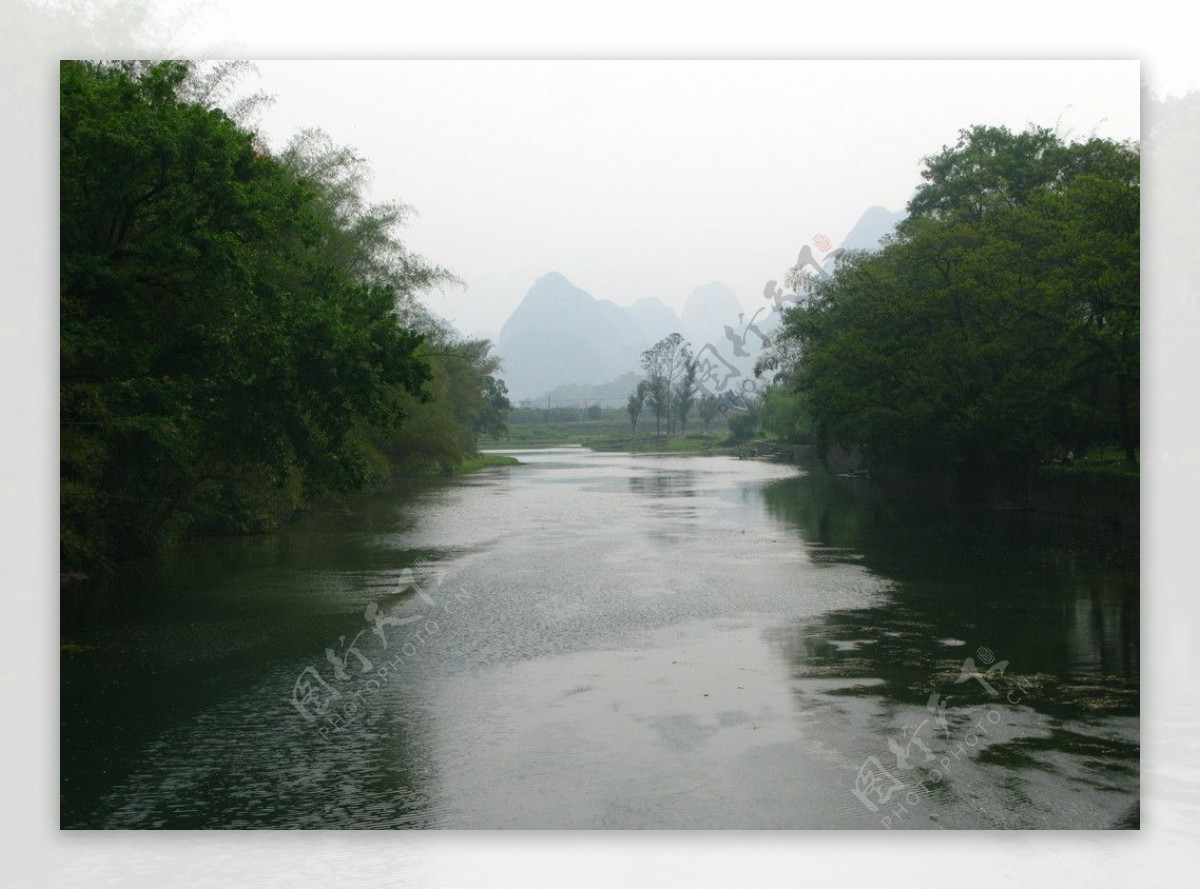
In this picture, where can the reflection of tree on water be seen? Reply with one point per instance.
(1026, 628)
(667, 483)
(1059, 601)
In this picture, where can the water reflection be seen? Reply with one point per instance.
(665, 483)
(652, 641)
(1002, 625)
(1059, 598)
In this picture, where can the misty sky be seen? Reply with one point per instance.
(639, 178)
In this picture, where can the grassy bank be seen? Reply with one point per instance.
(697, 443)
(609, 440)
(544, 435)
(483, 461)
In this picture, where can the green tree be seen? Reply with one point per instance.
(743, 423)
(230, 322)
(708, 410)
(662, 363)
(685, 391)
(637, 399)
(467, 400)
(492, 417)
(783, 415)
(999, 325)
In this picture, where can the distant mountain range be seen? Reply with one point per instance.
(561, 334)
(654, 318)
(872, 227)
(562, 339)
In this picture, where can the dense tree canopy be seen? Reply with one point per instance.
(239, 332)
(998, 327)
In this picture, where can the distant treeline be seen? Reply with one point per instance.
(671, 388)
(564, 414)
(240, 331)
(997, 330)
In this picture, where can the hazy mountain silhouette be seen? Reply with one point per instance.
(655, 318)
(561, 334)
(873, 225)
(706, 313)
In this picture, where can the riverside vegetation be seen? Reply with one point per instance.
(996, 332)
(241, 333)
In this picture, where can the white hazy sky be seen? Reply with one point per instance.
(643, 178)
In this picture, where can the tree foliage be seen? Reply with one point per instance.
(744, 424)
(468, 400)
(637, 399)
(239, 332)
(783, 415)
(685, 390)
(707, 407)
(665, 363)
(1000, 324)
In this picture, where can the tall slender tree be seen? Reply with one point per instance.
(685, 390)
(637, 399)
(662, 363)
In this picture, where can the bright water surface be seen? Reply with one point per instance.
(614, 641)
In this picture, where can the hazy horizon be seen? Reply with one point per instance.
(646, 179)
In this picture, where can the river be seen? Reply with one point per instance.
(598, 640)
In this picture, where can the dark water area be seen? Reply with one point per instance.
(613, 641)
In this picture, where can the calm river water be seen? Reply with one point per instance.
(613, 641)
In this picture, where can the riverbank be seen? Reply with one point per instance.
(283, 514)
(485, 461)
(650, 443)
(1102, 491)
(694, 443)
(601, 635)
